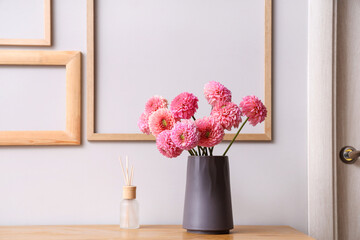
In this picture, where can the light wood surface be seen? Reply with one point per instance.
(72, 61)
(348, 117)
(92, 135)
(149, 232)
(321, 111)
(46, 41)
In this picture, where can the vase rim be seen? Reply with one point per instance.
(217, 156)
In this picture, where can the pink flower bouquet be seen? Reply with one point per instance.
(176, 129)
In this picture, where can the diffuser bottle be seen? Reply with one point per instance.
(129, 209)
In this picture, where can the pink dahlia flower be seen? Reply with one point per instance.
(155, 103)
(254, 109)
(211, 132)
(229, 115)
(185, 135)
(166, 146)
(162, 119)
(216, 93)
(143, 123)
(184, 105)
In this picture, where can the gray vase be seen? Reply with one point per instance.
(207, 206)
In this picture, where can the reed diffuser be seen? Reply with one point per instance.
(129, 207)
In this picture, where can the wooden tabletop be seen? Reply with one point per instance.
(148, 232)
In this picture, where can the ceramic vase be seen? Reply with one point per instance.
(207, 207)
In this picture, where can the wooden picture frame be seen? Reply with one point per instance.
(92, 135)
(46, 41)
(72, 60)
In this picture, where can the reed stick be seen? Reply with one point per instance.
(122, 167)
(132, 175)
(127, 171)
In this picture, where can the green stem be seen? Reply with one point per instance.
(194, 151)
(199, 151)
(191, 153)
(211, 149)
(194, 118)
(227, 149)
(203, 151)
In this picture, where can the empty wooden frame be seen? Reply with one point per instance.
(46, 41)
(92, 135)
(72, 61)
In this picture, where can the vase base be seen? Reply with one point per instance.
(209, 232)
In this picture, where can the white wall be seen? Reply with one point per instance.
(82, 185)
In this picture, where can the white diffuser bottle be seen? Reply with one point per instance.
(129, 209)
